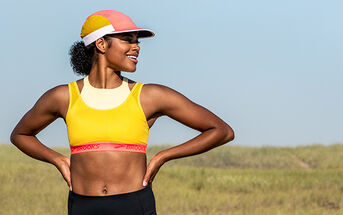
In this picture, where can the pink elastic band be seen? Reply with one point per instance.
(112, 146)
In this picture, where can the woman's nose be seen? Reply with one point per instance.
(136, 47)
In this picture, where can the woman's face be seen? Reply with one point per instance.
(123, 53)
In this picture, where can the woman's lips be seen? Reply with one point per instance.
(133, 58)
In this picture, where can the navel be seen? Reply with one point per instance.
(104, 190)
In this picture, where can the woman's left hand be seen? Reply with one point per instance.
(154, 165)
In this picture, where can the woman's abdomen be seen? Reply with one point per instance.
(107, 172)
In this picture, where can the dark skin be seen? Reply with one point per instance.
(113, 172)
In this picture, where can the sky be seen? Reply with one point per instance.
(270, 69)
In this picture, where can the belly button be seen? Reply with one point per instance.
(104, 190)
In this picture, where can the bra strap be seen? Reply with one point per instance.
(72, 93)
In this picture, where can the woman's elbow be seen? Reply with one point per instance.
(13, 137)
(230, 134)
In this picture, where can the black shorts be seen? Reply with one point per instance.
(140, 202)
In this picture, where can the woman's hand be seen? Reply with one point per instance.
(63, 165)
(154, 165)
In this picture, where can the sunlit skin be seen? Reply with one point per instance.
(113, 172)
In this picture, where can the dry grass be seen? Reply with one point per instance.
(226, 180)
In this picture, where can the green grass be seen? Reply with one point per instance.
(226, 180)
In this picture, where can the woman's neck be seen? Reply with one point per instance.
(105, 78)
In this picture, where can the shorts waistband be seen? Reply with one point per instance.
(108, 146)
(145, 189)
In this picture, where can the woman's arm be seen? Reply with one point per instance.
(215, 131)
(45, 111)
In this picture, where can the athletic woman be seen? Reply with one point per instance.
(108, 118)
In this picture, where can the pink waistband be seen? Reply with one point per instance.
(104, 146)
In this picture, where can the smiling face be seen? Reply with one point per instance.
(122, 54)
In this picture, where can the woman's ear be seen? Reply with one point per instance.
(101, 45)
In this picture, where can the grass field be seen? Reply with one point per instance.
(226, 180)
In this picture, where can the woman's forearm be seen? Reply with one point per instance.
(203, 142)
(31, 146)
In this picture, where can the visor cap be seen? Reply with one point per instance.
(109, 22)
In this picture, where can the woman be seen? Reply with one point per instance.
(108, 118)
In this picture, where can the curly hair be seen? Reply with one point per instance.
(82, 57)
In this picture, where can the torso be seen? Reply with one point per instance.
(109, 172)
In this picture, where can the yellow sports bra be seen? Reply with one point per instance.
(122, 128)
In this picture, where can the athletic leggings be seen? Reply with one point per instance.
(140, 202)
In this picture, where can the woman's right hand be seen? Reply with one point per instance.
(63, 165)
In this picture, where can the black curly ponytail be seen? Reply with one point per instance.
(82, 57)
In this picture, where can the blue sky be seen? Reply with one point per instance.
(271, 69)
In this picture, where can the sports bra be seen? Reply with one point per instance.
(122, 128)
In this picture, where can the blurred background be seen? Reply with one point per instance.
(271, 69)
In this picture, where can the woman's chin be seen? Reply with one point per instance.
(129, 69)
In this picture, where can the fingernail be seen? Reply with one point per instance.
(144, 183)
(70, 188)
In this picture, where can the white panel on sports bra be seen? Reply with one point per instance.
(104, 98)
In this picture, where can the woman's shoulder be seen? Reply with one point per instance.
(158, 89)
(53, 100)
(59, 94)
(163, 96)
(57, 91)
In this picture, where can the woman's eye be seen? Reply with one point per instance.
(126, 39)
(129, 40)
